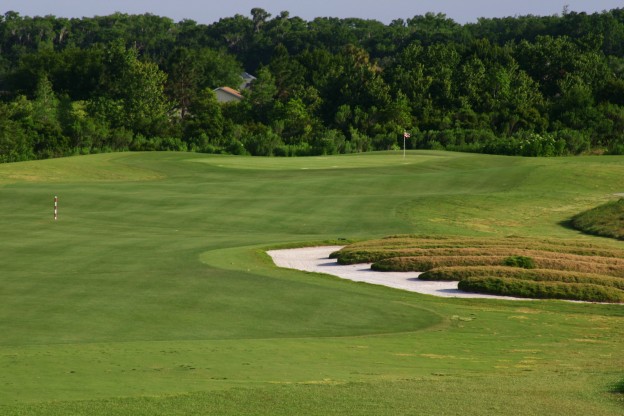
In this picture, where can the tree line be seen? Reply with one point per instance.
(529, 85)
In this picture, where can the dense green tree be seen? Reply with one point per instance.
(525, 85)
(132, 93)
(15, 143)
(205, 124)
(190, 71)
(288, 73)
(261, 100)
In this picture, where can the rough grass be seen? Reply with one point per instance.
(376, 250)
(506, 286)
(606, 220)
(461, 273)
(426, 263)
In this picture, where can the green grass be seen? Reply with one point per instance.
(606, 220)
(152, 293)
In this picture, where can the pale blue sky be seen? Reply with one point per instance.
(208, 11)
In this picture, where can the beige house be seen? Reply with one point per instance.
(227, 95)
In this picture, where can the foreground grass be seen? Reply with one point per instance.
(152, 295)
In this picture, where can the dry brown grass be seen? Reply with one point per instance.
(372, 255)
(460, 273)
(426, 263)
(553, 264)
(404, 246)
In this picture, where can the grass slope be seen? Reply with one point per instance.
(152, 295)
(606, 220)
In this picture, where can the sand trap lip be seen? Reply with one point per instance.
(316, 259)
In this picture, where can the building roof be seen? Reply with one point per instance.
(230, 91)
(247, 80)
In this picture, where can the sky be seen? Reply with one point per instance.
(209, 11)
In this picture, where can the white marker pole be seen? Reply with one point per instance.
(55, 208)
(406, 135)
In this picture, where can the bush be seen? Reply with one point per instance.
(541, 290)
(423, 264)
(301, 149)
(329, 142)
(462, 273)
(413, 247)
(576, 142)
(140, 143)
(519, 261)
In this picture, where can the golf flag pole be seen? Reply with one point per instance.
(406, 135)
(55, 208)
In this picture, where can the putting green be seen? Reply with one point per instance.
(352, 161)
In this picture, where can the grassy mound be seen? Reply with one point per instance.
(541, 290)
(463, 273)
(425, 263)
(605, 220)
(505, 266)
(411, 246)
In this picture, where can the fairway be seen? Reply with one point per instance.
(153, 294)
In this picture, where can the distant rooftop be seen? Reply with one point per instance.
(227, 94)
(247, 80)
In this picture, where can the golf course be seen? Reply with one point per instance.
(153, 294)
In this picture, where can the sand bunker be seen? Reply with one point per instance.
(316, 259)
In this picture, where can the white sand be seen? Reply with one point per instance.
(316, 259)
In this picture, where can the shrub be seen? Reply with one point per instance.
(523, 262)
(462, 273)
(542, 290)
(423, 264)
(378, 250)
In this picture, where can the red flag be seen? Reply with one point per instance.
(406, 135)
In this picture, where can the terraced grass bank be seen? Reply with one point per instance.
(521, 267)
